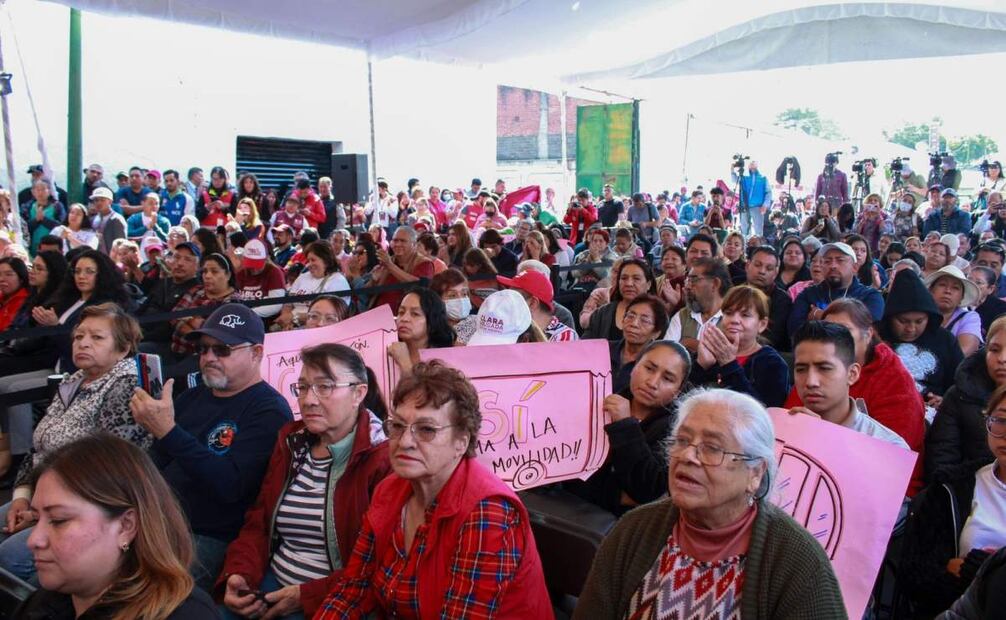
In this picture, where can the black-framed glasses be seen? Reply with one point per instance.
(996, 426)
(707, 454)
(423, 431)
(322, 389)
(692, 279)
(220, 350)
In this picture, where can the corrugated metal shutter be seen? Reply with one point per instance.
(275, 160)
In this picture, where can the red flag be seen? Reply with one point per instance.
(531, 193)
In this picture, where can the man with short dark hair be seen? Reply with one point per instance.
(644, 215)
(761, 271)
(175, 203)
(824, 368)
(993, 256)
(50, 243)
(838, 262)
(700, 246)
(692, 214)
(503, 259)
(282, 247)
(610, 208)
(129, 199)
(195, 182)
(213, 442)
(706, 284)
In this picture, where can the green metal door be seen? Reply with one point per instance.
(607, 147)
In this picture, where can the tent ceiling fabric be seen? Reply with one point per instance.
(590, 41)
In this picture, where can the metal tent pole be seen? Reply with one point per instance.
(74, 130)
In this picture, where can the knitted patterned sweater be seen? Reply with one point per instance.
(787, 574)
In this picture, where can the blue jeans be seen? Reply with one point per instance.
(752, 222)
(15, 556)
(269, 584)
(209, 560)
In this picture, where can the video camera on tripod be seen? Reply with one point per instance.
(830, 161)
(936, 167)
(897, 166)
(738, 163)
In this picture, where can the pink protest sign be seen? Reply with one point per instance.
(847, 489)
(368, 333)
(542, 420)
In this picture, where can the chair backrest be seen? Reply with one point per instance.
(13, 592)
(568, 532)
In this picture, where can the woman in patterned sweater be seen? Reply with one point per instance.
(717, 528)
(95, 398)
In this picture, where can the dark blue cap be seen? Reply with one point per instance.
(232, 324)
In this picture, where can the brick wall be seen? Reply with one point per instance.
(519, 124)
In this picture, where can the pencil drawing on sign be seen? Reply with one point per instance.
(522, 439)
(808, 492)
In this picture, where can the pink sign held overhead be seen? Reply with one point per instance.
(542, 420)
(847, 489)
(368, 333)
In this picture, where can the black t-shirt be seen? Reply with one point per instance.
(608, 212)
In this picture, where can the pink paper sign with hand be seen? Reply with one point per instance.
(847, 489)
(368, 333)
(542, 417)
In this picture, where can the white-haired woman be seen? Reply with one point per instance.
(718, 527)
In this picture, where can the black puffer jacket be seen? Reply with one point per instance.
(957, 442)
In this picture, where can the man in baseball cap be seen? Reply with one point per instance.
(946, 216)
(537, 291)
(838, 261)
(258, 278)
(213, 442)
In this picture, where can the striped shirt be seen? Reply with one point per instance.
(300, 522)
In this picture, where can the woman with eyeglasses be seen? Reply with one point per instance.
(632, 278)
(443, 537)
(957, 523)
(717, 526)
(645, 320)
(94, 398)
(298, 536)
(326, 310)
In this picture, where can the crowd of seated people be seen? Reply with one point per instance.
(205, 496)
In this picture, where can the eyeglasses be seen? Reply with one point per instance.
(707, 454)
(321, 390)
(87, 271)
(632, 317)
(692, 279)
(317, 317)
(423, 431)
(996, 426)
(219, 350)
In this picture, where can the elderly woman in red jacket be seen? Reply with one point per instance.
(444, 537)
(298, 535)
(884, 384)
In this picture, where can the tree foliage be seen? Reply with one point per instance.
(968, 150)
(810, 122)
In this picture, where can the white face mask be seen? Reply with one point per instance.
(458, 309)
(905, 206)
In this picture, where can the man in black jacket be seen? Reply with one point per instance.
(761, 271)
(166, 293)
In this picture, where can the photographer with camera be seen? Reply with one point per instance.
(580, 215)
(755, 196)
(832, 182)
(943, 170)
(992, 181)
(907, 181)
(869, 180)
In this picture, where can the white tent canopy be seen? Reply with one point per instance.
(587, 41)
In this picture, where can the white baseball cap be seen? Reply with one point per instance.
(255, 255)
(502, 318)
(102, 192)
